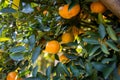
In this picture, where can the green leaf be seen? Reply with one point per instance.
(35, 54)
(107, 71)
(33, 78)
(72, 4)
(71, 56)
(17, 56)
(3, 39)
(48, 71)
(68, 1)
(41, 76)
(116, 76)
(106, 60)
(89, 68)
(17, 49)
(61, 69)
(111, 44)
(90, 40)
(111, 33)
(98, 66)
(75, 71)
(101, 31)
(8, 10)
(64, 69)
(34, 72)
(100, 18)
(93, 50)
(31, 42)
(104, 48)
(24, 72)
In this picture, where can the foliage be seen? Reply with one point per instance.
(24, 33)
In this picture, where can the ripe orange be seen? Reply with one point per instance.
(97, 7)
(13, 76)
(45, 12)
(75, 31)
(67, 37)
(64, 11)
(63, 58)
(52, 47)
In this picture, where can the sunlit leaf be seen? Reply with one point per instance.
(15, 4)
(2, 39)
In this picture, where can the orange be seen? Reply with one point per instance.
(64, 11)
(45, 12)
(75, 31)
(97, 7)
(52, 47)
(63, 58)
(13, 76)
(67, 37)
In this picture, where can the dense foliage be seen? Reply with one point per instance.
(26, 28)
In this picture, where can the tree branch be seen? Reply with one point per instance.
(113, 6)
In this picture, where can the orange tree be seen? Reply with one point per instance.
(58, 40)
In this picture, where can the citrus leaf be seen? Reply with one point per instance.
(107, 71)
(31, 42)
(93, 50)
(17, 49)
(106, 60)
(34, 72)
(104, 49)
(100, 18)
(75, 71)
(101, 31)
(112, 45)
(33, 78)
(64, 69)
(89, 68)
(90, 40)
(8, 10)
(2, 39)
(17, 56)
(35, 54)
(15, 4)
(98, 66)
(111, 33)
(48, 71)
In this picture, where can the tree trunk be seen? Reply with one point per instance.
(113, 6)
